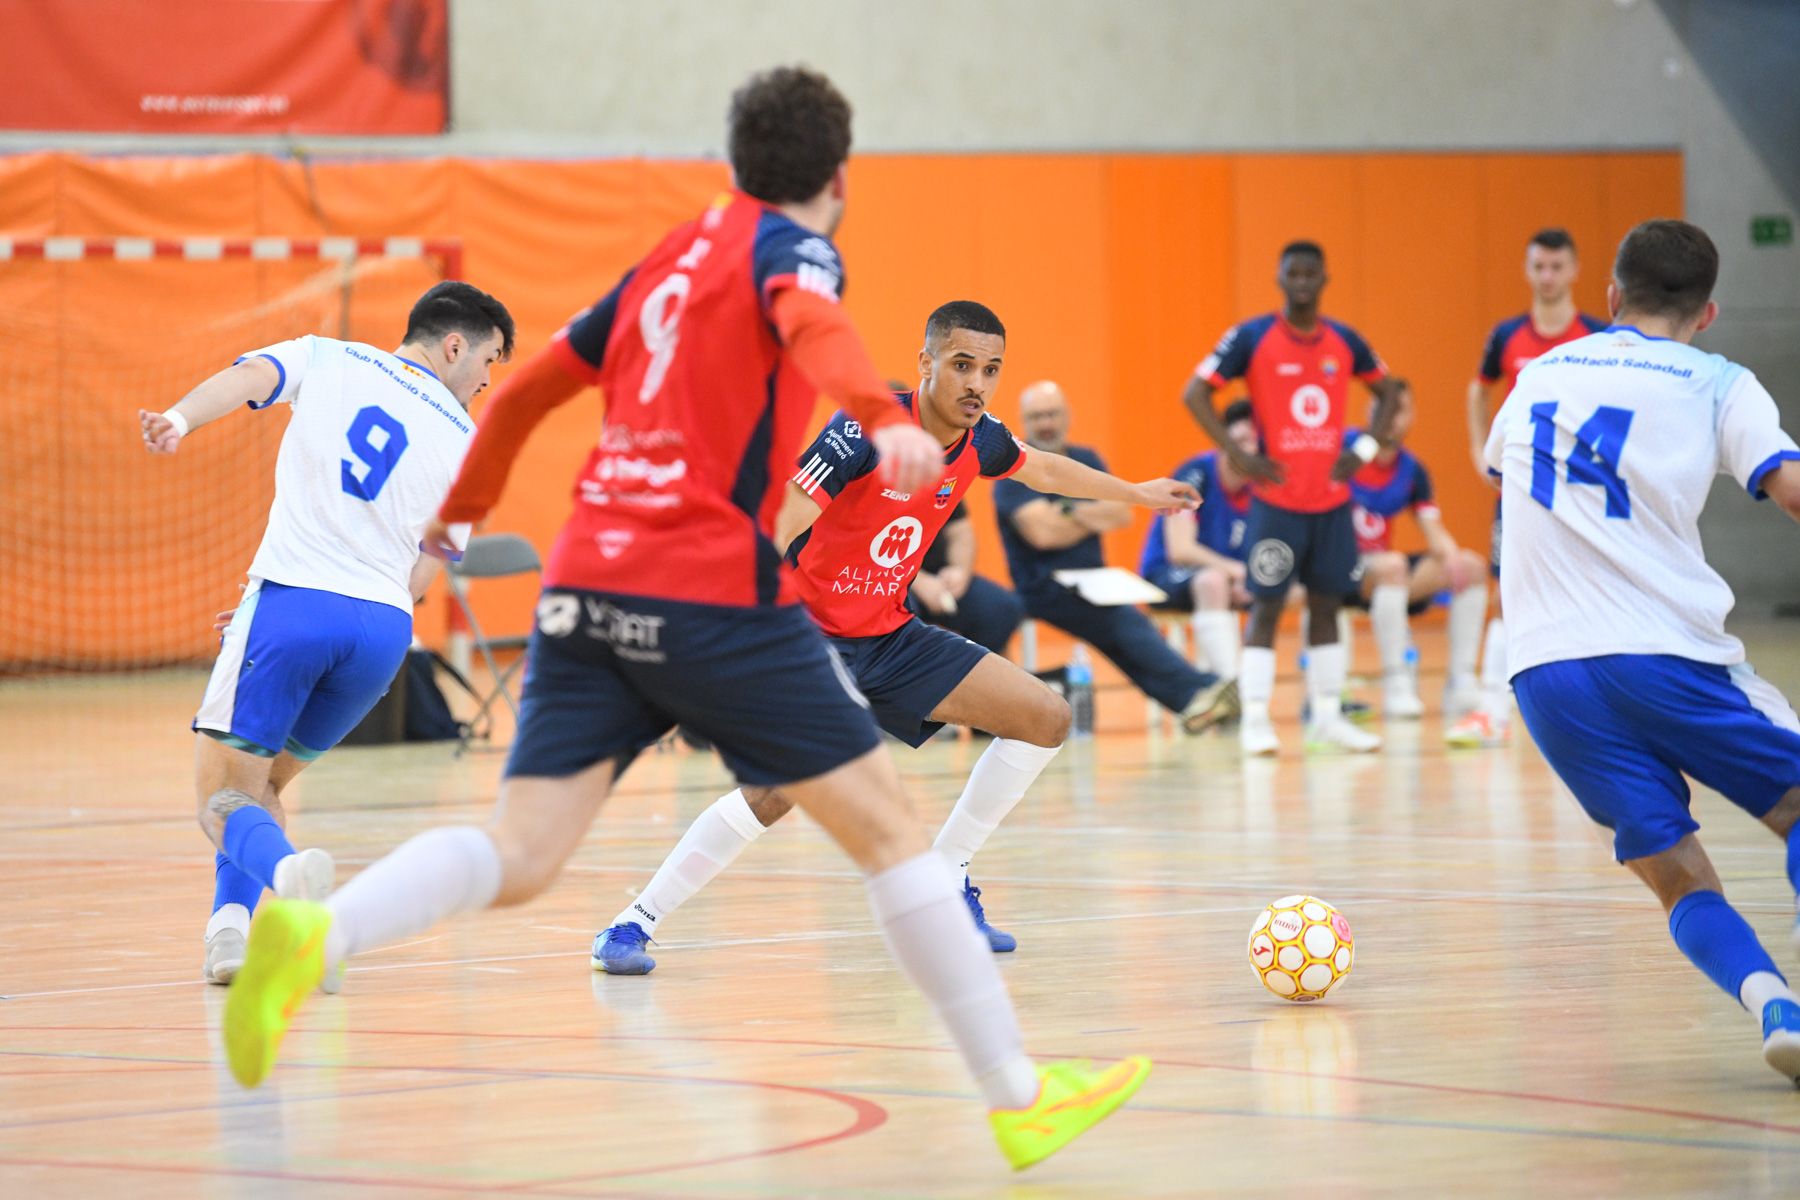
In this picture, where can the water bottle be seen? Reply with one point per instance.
(1080, 676)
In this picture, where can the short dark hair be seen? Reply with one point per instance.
(457, 307)
(1303, 247)
(961, 314)
(788, 133)
(1238, 410)
(1553, 237)
(1667, 269)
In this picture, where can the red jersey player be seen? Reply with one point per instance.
(857, 543)
(665, 601)
(1551, 266)
(1298, 365)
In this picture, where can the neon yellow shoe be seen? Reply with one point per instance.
(283, 962)
(1072, 1098)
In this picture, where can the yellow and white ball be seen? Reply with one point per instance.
(1301, 948)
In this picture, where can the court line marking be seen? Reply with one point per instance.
(867, 1115)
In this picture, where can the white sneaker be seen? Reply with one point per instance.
(305, 875)
(1460, 699)
(225, 935)
(1256, 737)
(1399, 700)
(1477, 729)
(1340, 735)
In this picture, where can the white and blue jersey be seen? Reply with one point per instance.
(371, 450)
(1606, 450)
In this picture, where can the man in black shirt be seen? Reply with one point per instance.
(1045, 534)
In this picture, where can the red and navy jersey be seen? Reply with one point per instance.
(1516, 341)
(1219, 521)
(1300, 391)
(703, 411)
(855, 564)
(1381, 492)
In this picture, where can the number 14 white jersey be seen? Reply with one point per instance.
(1607, 449)
(373, 446)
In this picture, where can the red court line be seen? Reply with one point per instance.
(359, 1181)
(1493, 1093)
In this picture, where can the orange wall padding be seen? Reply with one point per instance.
(1114, 273)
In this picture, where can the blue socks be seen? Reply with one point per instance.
(232, 886)
(1718, 941)
(255, 843)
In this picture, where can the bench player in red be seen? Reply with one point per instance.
(856, 544)
(1550, 268)
(666, 602)
(1298, 365)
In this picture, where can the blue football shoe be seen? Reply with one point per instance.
(620, 950)
(998, 941)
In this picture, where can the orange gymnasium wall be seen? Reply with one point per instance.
(1114, 273)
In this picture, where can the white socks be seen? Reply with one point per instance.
(228, 916)
(1494, 677)
(1467, 608)
(1760, 987)
(998, 782)
(1387, 613)
(920, 909)
(1256, 683)
(1325, 672)
(435, 875)
(1216, 633)
(711, 843)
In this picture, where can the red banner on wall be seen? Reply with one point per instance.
(225, 66)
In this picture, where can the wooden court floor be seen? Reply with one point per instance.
(1518, 1023)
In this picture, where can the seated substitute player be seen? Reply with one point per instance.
(1045, 533)
(666, 603)
(947, 592)
(1625, 676)
(1551, 267)
(856, 546)
(375, 439)
(1198, 557)
(1395, 585)
(1297, 364)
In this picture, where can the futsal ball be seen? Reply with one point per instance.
(1301, 948)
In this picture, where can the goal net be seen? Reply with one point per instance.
(110, 557)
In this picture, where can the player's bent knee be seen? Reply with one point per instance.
(1476, 568)
(767, 805)
(1385, 570)
(1212, 590)
(217, 808)
(1052, 721)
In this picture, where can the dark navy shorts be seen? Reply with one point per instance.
(907, 673)
(1317, 550)
(609, 675)
(1622, 729)
(299, 667)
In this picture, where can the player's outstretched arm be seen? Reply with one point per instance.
(541, 383)
(248, 382)
(1063, 476)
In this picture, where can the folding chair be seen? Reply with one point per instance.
(491, 556)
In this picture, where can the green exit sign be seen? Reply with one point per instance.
(1772, 229)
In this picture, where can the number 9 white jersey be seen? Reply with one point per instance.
(374, 444)
(1606, 450)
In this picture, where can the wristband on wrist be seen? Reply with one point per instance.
(1365, 447)
(178, 421)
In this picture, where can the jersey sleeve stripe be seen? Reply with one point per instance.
(1765, 467)
(812, 476)
(280, 378)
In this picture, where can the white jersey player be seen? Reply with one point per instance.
(1617, 647)
(373, 445)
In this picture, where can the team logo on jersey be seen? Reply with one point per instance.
(891, 494)
(1271, 561)
(944, 491)
(1370, 527)
(613, 542)
(852, 429)
(558, 614)
(1311, 405)
(896, 542)
(1329, 365)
